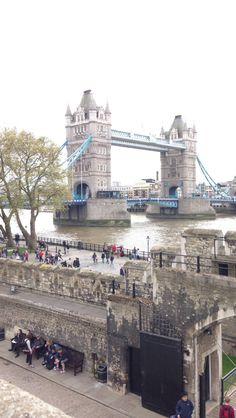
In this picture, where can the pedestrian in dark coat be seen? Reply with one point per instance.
(184, 407)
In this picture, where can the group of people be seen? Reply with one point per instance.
(106, 256)
(184, 408)
(54, 356)
(15, 254)
(43, 255)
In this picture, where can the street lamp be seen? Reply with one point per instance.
(148, 239)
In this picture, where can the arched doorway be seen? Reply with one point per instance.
(82, 191)
(173, 191)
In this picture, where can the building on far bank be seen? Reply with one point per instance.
(143, 189)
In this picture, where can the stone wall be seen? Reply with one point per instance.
(199, 242)
(123, 332)
(190, 298)
(197, 208)
(96, 212)
(108, 210)
(83, 334)
(84, 285)
(138, 273)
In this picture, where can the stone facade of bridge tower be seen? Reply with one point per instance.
(92, 171)
(178, 167)
(178, 176)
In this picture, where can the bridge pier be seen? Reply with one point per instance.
(95, 212)
(187, 208)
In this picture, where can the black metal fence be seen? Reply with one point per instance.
(228, 384)
(81, 245)
(130, 288)
(194, 263)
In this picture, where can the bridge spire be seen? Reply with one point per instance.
(68, 111)
(107, 109)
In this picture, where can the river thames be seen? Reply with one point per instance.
(161, 232)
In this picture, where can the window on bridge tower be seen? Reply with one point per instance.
(86, 115)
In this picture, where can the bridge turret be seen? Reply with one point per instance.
(92, 172)
(68, 117)
(108, 113)
(162, 133)
(178, 167)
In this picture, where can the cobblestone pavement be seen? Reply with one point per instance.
(66, 400)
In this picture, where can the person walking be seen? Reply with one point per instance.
(226, 410)
(107, 256)
(112, 259)
(184, 407)
(94, 257)
(103, 257)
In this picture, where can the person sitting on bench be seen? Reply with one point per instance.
(38, 345)
(47, 350)
(17, 342)
(60, 360)
(50, 359)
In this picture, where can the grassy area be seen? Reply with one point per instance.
(226, 363)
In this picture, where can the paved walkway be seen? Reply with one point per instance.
(93, 399)
(84, 310)
(86, 260)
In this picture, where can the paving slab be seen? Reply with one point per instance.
(86, 385)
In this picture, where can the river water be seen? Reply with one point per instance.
(161, 232)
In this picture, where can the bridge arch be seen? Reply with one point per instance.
(173, 191)
(82, 191)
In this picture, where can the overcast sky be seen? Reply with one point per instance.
(151, 59)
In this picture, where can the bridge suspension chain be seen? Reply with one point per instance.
(210, 180)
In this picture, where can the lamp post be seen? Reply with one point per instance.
(148, 240)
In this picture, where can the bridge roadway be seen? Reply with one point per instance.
(165, 202)
(144, 142)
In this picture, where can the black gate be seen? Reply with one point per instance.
(202, 406)
(161, 362)
(134, 371)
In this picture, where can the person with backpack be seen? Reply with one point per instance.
(226, 410)
(184, 407)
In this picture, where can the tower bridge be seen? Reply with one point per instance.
(90, 136)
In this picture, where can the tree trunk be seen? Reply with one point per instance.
(25, 233)
(30, 239)
(33, 237)
(10, 242)
(7, 231)
(3, 232)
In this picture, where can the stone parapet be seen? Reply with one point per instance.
(84, 285)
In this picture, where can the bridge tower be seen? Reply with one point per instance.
(178, 167)
(92, 171)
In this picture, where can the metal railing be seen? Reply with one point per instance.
(88, 246)
(190, 262)
(228, 384)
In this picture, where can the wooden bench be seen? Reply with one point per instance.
(75, 358)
